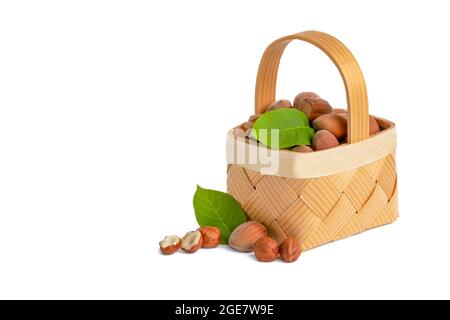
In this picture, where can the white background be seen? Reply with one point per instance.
(112, 111)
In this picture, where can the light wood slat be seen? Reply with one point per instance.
(352, 227)
(342, 180)
(384, 216)
(373, 169)
(339, 215)
(257, 209)
(393, 202)
(387, 176)
(299, 221)
(360, 189)
(253, 176)
(298, 185)
(371, 208)
(277, 194)
(276, 232)
(239, 186)
(320, 196)
(320, 236)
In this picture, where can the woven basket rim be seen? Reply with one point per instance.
(313, 164)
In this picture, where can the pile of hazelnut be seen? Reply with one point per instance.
(205, 237)
(249, 236)
(253, 236)
(329, 123)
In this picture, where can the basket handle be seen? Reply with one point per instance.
(355, 86)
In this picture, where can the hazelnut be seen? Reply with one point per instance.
(247, 126)
(374, 127)
(254, 117)
(211, 236)
(338, 110)
(170, 244)
(324, 139)
(314, 108)
(302, 149)
(332, 122)
(304, 95)
(278, 104)
(245, 236)
(266, 249)
(241, 133)
(373, 124)
(192, 241)
(290, 250)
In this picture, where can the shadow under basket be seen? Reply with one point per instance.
(321, 196)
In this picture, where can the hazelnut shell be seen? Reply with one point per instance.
(254, 117)
(302, 149)
(211, 236)
(304, 95)
(278, 104)
(324, 139)
(334, 123)
(314, 108)
(373, 123)
(192, 241)
(169, 245)
(245, 236)
(266, 249)
(290, 250)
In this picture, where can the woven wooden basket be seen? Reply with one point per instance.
(320, 196)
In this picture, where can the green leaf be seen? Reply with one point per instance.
(218, 209)
(283, 128)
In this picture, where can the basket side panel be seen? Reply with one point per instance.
(319, 210)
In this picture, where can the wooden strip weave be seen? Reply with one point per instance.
(319, 210)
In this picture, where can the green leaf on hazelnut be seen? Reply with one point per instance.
(218, 209)
(290, 125)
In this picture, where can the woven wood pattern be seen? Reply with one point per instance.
(319, 210)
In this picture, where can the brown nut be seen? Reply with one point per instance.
(241, 133)
(247, 126)
(211, 236)
(245, 236)
(302, 149)
(254, 117)
(266, 249)
(192, 241)
(304, 95)
(290, 250)
(339, 110)
(278, 104)
(169, 244)
(314, 108)
(324, 139)
(374, 127)
(332, 122)
(373, 124)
